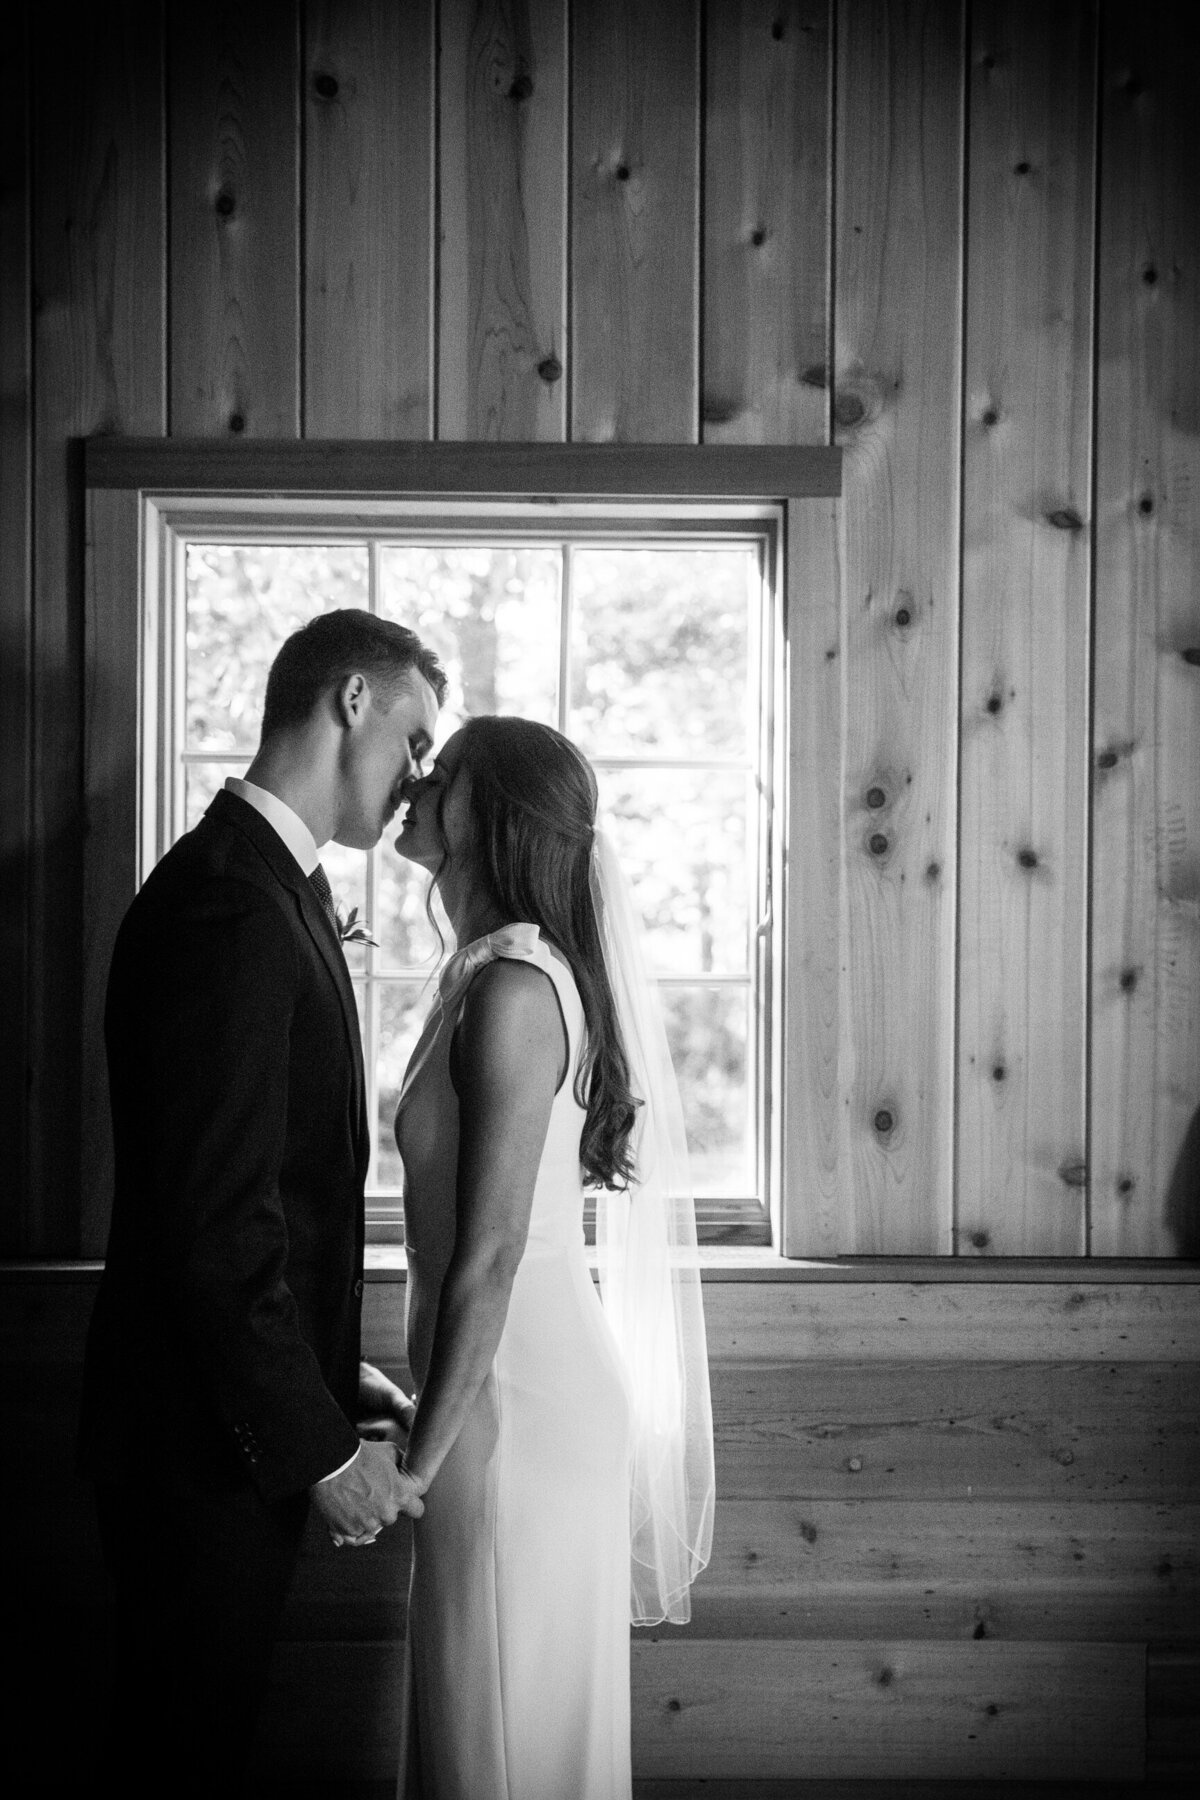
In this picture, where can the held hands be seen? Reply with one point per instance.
(371, 1493)
(385, 1411)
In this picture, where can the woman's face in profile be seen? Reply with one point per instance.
(438, 827)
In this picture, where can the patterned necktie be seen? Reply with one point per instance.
(324, 893)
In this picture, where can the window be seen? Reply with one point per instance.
(649, 635)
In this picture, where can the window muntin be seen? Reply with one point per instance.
(655, 649)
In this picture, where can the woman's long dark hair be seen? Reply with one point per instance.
(533, 800)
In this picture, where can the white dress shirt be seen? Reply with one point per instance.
(279, 815)
(300, 841)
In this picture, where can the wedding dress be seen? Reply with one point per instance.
(517, 1659)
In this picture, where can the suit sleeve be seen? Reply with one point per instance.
(216, 1039)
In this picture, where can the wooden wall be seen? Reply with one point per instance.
(956, 1540)
(959, 239)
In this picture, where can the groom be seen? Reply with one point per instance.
(223, 1373)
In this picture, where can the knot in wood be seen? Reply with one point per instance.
(886, 1677)
(550, 369)
(877, 843)
(849, 410)
(1074, 1174)
(237, 422)
(815, 376)
(622, 171)
(1021, 168)
(991, 1709)
(980, 1630)
(883, 1121)
(1150, 275)
(1065, 518)
(1027, 859)
(777, 30)
(854, 1464)
(980, 1240)
(903, 617)
(995, 703)
(674, 1705)
(1065, 1457)
(1126, 1184)
(758, 236)
(1129, 980)
(225, 203)
(326, 86)
(1107, 759)
(876, 798)
(999, 1072)
(1146, 505)
(933, 871)
(521, 86)
(1191, 655)
(990, 417)
(808, 1531)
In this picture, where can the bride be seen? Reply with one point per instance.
(562, 1441)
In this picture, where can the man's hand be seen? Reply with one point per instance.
(385, 1412)
(371, 1493)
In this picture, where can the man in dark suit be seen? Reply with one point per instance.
(223, 1373)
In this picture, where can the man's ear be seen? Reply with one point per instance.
(351, 700)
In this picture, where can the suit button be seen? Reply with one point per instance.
(358, 1288)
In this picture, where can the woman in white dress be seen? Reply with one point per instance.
(543, 1469)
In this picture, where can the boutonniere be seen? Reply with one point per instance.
(349, 929)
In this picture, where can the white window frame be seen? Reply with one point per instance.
(139, 491)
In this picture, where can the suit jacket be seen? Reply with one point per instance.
(224, 1346)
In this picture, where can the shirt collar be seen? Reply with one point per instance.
(287, 824)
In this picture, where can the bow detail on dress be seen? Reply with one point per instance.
(517, 942)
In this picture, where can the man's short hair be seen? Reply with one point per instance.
(334, 645)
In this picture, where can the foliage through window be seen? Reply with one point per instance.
(655, 654)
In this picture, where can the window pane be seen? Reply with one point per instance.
(242, 601)
(201, 781)
(406, 938)
(403, 1006)
(347, 872)
(707, 1028)
(491, 614)
(660, 650)
(683, 841)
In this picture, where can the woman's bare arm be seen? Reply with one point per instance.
(509, 1055)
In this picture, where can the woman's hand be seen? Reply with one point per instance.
(386, 1412)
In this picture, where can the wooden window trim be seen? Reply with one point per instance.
(123, 477)
(629, 471)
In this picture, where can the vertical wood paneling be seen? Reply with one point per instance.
(99, 276)
(341, 341)
(635, 221)
(234, 157)
(16, 623)
(503, 169)
(766, 222)
(1145, 988)
(368, 219)
(814, 1136)
(896, 406)
(1023, 920)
